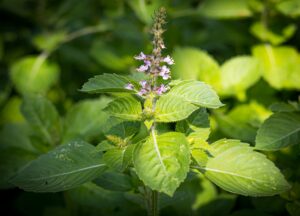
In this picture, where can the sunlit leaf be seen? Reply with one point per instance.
(128, 108)
(267, 35)
(235, 167)
(278, 70)
(162, 162)
(225, 9)
(34, 74)
(106, 83)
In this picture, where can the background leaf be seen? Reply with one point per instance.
(34, 74)
(278, 131)
(63, 168)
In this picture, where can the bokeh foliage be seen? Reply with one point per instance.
(248, 50)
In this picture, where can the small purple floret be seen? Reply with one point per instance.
(129, 86)
(141, 56)
(168, 60)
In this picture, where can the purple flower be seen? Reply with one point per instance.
(142, 68)
(142, 92)
(141, 56)
(143, 83)
(168, 60)
(129, 86)
(147, 63)
(165, 72)
(161, 89)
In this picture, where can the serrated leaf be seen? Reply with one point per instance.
(197, 93)
(278, 131)
(162, 162)
(278, 70)
(235, 167)
(106, 83)
(171, 108)
(118, 158)
(41, 114)
(196, 125)
(127, 108)
(65, 167)
(85, 120)
(34, 74)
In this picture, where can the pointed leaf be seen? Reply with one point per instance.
(278, 70)
(280, 130)
(43, 117)
(171, 108)
(238, 74)
(65, 167)
(106, 83)
(85, 120)
(235, 167)
(162, 162)
(127, 108)
(196, 92)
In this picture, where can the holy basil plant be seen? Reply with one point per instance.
(156, 134)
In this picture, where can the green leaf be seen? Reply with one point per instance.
(144, 9)
(235, 167)
(238, 74)
(41, 114)
(108, 56)
(259, 30)
(49, 41)
(278, 70)
(127, 108)
(171, 108)
(162, 162)
(225, 9)
(65, 167)
(106, 83)
(118, 158)
(289, 7)
(280, 130)
(196, 125)
(192, 63)
(85, 119)
(197, 93)
(242, 121)
(34, 74)
(114, 181)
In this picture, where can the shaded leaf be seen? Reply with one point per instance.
(63, 168)
(278, 131)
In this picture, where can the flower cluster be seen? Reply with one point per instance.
(155, 65)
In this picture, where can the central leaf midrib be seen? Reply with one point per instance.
(67, 173)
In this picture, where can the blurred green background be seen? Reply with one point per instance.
(248, 50)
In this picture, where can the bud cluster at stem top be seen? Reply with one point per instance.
(154, 65)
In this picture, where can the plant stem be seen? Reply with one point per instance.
(151, 202)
